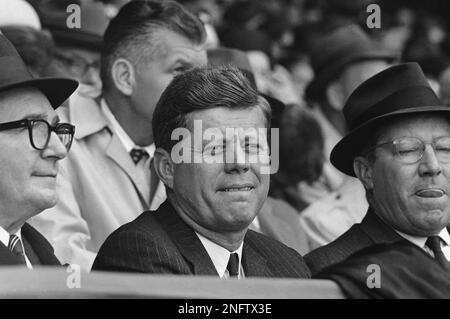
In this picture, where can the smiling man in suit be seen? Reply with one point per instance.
(32, 142)
(216, 185)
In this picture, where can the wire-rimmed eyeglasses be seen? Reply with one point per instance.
(410, 149)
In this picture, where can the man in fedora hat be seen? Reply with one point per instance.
(341, 60)
(107, 181)
(32, 141)
(398, 146)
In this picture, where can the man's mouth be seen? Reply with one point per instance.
(237, 188)
(430, 193)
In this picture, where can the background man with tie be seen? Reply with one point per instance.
(213, 195)
(106, 181)
(32, 141)
(399, 148)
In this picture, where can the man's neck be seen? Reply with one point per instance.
(230, 240)
(136, 126)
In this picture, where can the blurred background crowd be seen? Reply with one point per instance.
(307, 55)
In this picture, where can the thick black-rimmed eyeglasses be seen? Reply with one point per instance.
(40, 130)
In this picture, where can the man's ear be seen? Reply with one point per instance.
(335, 95)
(123, 75)
(164, 166)
(363, 170)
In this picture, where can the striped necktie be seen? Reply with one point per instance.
(15, 246)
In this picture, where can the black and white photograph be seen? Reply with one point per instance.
(225, 157)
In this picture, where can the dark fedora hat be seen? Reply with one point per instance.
(93, 22)
(398, 90)
(14, 74)
(238, 58)
(332, 53)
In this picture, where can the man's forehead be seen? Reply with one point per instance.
(412, 124)
(169, 42)
(24, 102)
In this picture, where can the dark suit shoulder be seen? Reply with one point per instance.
(140, 246)
(41, 247)
(284, 261)
(340, 249)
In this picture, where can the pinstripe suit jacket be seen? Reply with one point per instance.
(371, 231)
(160, 242)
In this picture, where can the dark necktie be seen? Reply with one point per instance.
(137, 154)
(15, 246)
(233, 265)
(434, 243)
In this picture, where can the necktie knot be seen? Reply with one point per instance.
(137, 154)
(15, 245)
(233, 265)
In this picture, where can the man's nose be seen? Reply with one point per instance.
(236, 160)
(429, 163)
(55, 148)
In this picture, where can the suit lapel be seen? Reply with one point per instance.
(186, 240)
(117, 153)
(8, 258)
(254, 264)
(40, 246)
(377, 230)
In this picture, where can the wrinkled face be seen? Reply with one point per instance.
(175, 54)
(225, 195)
(413, 198)
(27, 176)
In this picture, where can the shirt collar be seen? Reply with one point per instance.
(4, 236)
(218, 254)
(121, 134)
(420, 241)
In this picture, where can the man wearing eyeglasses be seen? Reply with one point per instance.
(32, 141)
(107, 180)
(398, 146)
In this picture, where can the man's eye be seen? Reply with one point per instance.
(445, 149)
(253, 147)
(180, 69)
(407, 151)
(214, 150)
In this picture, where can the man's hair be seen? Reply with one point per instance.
(199, 89)
(130, 33)
(301, 145)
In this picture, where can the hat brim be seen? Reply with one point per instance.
(315, 88)
(350, 146)
(57, 90)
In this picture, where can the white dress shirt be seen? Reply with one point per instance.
(4, 239)
(420, 242)
(220, 257)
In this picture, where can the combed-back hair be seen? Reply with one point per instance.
(202, 88)
(130, 33)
